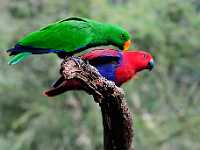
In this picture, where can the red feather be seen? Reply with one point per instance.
(96, 53)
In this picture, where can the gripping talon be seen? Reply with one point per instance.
(76, 60)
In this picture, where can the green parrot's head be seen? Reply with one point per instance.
(119, 37)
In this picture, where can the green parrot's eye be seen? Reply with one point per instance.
(122, 36)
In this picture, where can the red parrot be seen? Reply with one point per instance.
(119, 66)
(112, 64)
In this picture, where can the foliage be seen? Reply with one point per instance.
(164, 102)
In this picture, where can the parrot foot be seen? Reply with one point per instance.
(75, 59)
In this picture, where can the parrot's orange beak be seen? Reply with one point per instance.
(126, 46)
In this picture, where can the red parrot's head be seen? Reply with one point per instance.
(140, 60)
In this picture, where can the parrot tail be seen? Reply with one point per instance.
(20, 49)
(34, 50)
(18, 58)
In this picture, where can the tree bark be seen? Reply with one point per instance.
(117, 120)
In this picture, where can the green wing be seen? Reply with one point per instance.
(68, 35)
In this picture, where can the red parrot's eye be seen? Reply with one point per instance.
(145, 56)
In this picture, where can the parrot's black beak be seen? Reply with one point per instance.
(151, 64)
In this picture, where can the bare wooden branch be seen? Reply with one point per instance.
(117, 120)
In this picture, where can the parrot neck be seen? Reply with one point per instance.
(105, 35)
(101, 35)
(125, 71)
(134, 63)
(137, 67)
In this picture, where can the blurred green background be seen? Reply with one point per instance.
(165, 103)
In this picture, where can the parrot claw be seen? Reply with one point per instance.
(76, 60)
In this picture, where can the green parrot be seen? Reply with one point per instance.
(68, 37)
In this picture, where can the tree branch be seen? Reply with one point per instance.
(117, 120)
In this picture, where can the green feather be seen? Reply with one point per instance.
(76, 32)
(67, 35)
(18, 58)
(70, 35)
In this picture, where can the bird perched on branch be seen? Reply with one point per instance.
(119, 66)
(112, 64)
(69, 36)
